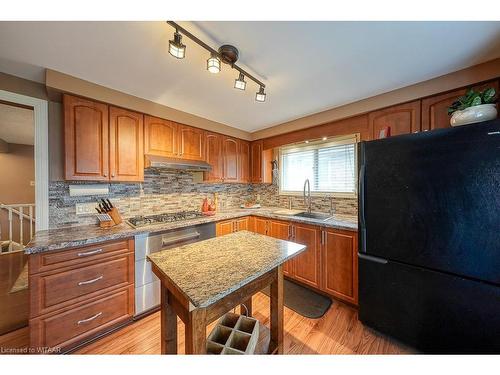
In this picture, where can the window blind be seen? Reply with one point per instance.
(329, 165)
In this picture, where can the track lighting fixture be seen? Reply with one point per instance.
(240, 83)
(260, 96)
(227, 54)
(213, 64)
(175, 46)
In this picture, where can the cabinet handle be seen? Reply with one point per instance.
(105, 174)
(89, 319)
(289, 234)
(112, 175)
(90, 281)
(89, 253)
(322, 237)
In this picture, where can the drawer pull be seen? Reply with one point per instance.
(89, 319)
(90, 253)
(90, 281)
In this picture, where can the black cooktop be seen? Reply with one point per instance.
(141, 221)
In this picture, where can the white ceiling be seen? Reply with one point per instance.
(307, 66)
(17, 125)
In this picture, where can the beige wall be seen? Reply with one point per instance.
(17, 170)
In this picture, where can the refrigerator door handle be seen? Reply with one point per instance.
(372, 259)
(362, 229)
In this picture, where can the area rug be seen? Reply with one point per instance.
(303, 301)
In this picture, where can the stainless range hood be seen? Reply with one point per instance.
(155, 161)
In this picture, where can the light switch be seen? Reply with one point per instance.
(85, 209)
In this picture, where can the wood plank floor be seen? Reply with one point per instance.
(337, 332)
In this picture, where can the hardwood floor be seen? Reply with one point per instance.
(337, 332)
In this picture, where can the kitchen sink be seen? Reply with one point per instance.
(288, 212)
(314, 215)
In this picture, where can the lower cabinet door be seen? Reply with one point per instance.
(224, 227)
(71, 326)
(242, 224)
(307, 264)
(260, 225)
(340, 265)
(281, 230)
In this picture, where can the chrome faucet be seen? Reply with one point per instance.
(308, 196)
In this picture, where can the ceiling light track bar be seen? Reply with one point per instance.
(183, 31)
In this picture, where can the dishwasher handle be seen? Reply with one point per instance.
(167, 241)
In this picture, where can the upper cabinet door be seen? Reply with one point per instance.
(435, 108)
(126, 153)
(402, 119)
(213, 145)
(230, 151)
(85, 139)
(244, 162)
(191, 143)
(256, 162)
(160, 137)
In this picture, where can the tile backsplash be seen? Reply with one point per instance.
(166, 190)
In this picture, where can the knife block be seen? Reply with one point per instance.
(115, 215)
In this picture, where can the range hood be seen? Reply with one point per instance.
(156, 161)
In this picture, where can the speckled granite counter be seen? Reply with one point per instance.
(62, 238)
(222, 265)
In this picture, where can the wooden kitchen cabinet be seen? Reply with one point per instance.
(191, 142)
(160, 137)
(230, 153)
(435, 108)
(260, 163)
(126, 150)
(340, 264)
(213, 145)
(282, 230)
(244, 162)
(231, 226)
(260, 225)
(86, 139)
(307, 264)
(80, 293)
(402, 119)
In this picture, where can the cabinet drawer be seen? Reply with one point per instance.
(74, 325)
(58, 289)
(53, 260)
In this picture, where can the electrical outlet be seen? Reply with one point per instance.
(85, 208)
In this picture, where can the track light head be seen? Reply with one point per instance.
(260, 96)
(175, 46)
(240, 82)
(213, 64)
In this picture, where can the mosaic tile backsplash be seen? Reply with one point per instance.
(166, 190)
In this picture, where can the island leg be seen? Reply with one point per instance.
(277, 310)
(196, 332)
(168, 324)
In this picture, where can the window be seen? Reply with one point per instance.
(329, 165)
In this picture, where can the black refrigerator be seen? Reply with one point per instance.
(429, 238)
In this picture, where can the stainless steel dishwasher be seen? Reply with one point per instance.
(147, 285)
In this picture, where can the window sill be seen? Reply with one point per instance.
(318, 194)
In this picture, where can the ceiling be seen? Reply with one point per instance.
(307, 66)
(17, 125)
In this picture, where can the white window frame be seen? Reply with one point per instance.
(40, 114)
(333, 141)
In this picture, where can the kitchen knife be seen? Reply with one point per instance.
(105, 205)
(109, 204)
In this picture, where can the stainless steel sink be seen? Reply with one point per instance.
(314, 215)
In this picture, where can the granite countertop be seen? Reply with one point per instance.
(62, 238)
(222, 265)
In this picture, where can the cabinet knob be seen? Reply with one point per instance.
(105, 174)
(112, 175)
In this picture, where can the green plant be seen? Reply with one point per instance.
(473, 98)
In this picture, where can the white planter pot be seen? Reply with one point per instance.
(478, 113)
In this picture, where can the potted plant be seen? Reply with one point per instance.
(473, 107)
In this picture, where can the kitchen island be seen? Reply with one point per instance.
(202, 281)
